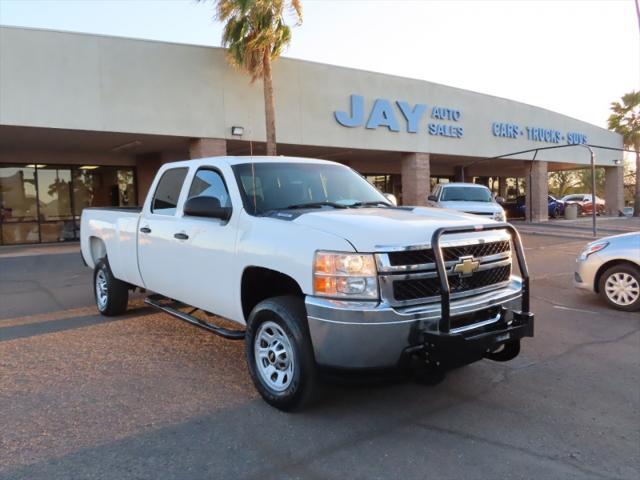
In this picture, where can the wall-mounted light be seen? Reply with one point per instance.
(617, 161)
(237, 131)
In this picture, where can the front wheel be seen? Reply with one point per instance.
(620, 287)
(279, 352)
(112, 295)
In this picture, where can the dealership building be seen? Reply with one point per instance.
(86, 120)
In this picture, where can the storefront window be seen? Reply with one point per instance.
(43, 203)
(515, 187)
(18, 205)
(434, 180)
(387, 184)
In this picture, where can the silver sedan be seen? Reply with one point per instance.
(611, 267)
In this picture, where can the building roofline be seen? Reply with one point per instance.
(285, 58)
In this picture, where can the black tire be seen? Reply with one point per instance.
(508, 351)
(624, 269)
(116, 291)
(288, 313)
(555, 213)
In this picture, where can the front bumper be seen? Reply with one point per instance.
(585, 272)
(367, 335)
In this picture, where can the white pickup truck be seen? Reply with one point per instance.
(316, 268)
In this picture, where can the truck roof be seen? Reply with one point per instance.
(237, 160)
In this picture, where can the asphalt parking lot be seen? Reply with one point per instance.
(146, 396)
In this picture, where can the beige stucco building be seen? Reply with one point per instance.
(87, 119)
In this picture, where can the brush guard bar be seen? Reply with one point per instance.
(444, 325)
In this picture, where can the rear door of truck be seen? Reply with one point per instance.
(206, 246)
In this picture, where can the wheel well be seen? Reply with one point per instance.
(98, 249)
(260, 283)
(604, 267)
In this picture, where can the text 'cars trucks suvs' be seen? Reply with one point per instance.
(316, 267)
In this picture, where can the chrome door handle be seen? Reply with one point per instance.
(181, 236)
(145, 230)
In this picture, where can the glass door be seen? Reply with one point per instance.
(55, 202)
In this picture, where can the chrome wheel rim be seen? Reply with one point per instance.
(101, 289)
(274, 356)
(622, 288)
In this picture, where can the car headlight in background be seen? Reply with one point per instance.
(345, 275)
(500, 216)
(592, 248)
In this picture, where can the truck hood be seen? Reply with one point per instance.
(377, 229)
(475, 207)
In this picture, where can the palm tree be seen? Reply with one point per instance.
(255, 33)
(625, 120)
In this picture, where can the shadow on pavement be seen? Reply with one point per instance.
(51, 326)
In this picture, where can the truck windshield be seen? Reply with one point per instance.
(279, 186)
(466, 194)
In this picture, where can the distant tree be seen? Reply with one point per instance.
(255, 33)
(562, 182)
(583, 177)
(625, 120)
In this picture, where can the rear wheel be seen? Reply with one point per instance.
(111, 294)
(279, 352)
(620, 287)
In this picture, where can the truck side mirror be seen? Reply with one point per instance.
(208, 207)
(432, 198)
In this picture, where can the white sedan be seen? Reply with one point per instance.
(611, 267)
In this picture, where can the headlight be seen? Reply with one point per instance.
(500, 216)
(592, 248)
(345, 275)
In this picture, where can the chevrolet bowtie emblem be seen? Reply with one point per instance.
(466, 266)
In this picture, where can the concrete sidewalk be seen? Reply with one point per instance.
(580, 228)
(8, 251)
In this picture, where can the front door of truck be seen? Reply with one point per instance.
(158, 252)
(206, 249)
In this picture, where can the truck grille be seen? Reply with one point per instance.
(404, 290)
(409, 277)
(414, 257)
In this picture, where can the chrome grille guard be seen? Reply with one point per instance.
(445, 290)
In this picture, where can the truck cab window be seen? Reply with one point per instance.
(209, 183)
(165, 199)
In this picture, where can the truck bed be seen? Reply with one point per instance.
(113, 230)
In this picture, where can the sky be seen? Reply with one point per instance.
(570, 56)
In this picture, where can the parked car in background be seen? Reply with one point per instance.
(467, 198)
(585, 203)
(518, 208)
(627, 211)
(610, 267)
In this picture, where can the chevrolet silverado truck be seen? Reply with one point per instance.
(316, 269)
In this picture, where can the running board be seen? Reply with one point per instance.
(154, 301)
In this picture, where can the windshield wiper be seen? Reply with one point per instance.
(375, 203)
(313, 205)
